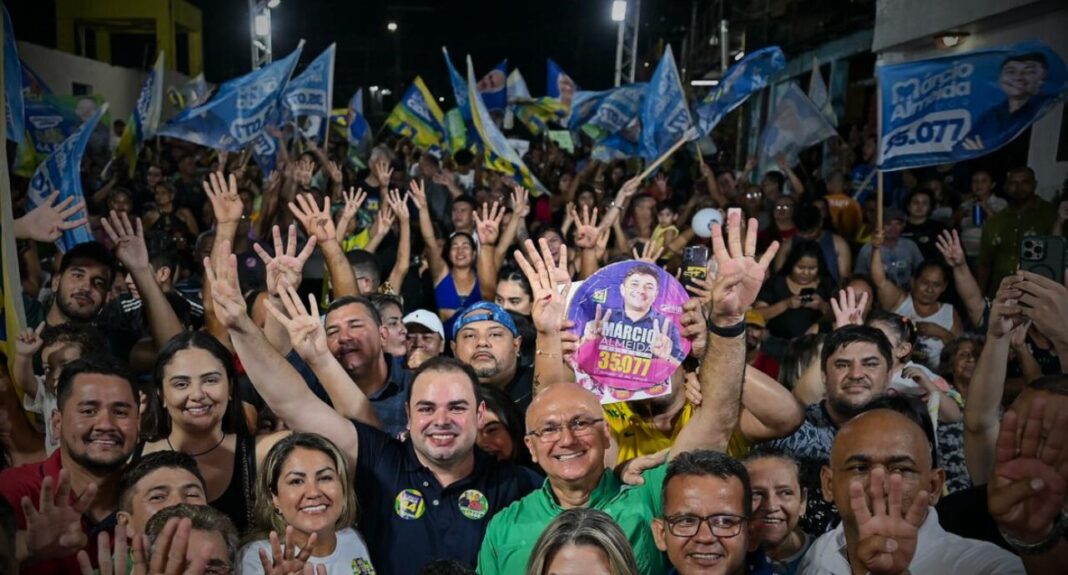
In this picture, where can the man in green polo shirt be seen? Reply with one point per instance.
(568, 437)
(1027, 215)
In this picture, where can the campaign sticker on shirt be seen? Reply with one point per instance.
(409, 504)
(627, 316)
(473, 504)
(361, 566)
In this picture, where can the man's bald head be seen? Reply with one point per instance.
(880, 428)
(567, 435)
(555, 395)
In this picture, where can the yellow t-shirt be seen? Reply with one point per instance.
(636, 437)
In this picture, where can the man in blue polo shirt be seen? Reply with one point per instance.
(428, 497)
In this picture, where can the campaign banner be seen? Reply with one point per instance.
(418, 117)
(959, 107)
(145, 117)
(191, 94)
(665, 116)
(627, 316)
(50, 121)
(558, 85)
(241, 109)
(62, 171)
(308, 95)
(13, 108)
(608, 111)
(493, 87)
(499, 154)
(742, 79)
(795, 123)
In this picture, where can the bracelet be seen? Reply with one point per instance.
(1024, 548)
(732, 331)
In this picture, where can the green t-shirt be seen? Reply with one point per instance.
(512, 533)
(1003, 233)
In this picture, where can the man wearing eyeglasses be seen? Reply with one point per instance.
(568, 437)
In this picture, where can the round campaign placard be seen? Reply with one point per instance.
(627, 318)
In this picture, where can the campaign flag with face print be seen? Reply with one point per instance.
(742, 79)
(145, 117)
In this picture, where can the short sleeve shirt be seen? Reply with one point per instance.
(513, 532)
(410, 519)
(637, 437)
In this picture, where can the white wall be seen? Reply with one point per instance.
(1048, 27)
(119, 86)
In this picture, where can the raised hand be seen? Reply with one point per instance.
(399, 205)
(520, 201)
(225, 290)
(382, 172)
(887, 533)
(695, 326)
(780, 160)
(302, 172)
(1006, 313)
(353, 200)
(488, 225)
(550, 303)
(110, 563)
(417, 189)
(383, 220)
(222, 193)
(848, 309)
(1045, 302)
(948, 242)
(285, 267)
(662, 344)
(28, 341)
(595, 328)
(47, 222)
(586, 230)
(661, 182)
(282, 559)
(739, 274)
(629, 189)
(1030, 482)
(306, 332)
(333, 171)
(168, 552)
(54, 529)
(316, 221)
(651, 252)
(130, 246)
(751, 164)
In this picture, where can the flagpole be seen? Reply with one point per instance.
(878, 142)
(649, 169)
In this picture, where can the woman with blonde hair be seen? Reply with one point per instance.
(304, 495)
(583, 541)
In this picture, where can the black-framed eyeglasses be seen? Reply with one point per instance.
(551, 433)
(723, 525)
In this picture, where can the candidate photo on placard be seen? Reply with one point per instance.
(627, 318)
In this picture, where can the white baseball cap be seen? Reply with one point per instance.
(426, 319)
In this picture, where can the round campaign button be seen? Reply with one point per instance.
(409, 504)
(473, 504)
(627, 316)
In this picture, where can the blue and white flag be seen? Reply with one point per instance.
(959, 107)
(665, 116)
(62, 171)
(13, 108)
(145, 117)
(608, 111)
(358, 131)
(240, 110)
(817, 92)
(742, 79)
(794, 123)
(493, 87)
(517, 88)
(459, 86)
(469, 135)
(558, 84)
(308, 95)
(190, 95)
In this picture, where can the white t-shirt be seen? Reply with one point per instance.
(43, 404)
(350, 556)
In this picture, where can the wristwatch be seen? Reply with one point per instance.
(1060, 527)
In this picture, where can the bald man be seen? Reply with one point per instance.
(568, 436)
(884, 479)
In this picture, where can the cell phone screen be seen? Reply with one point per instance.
(694, 264)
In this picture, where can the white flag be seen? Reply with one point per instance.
(795, 124)
(817, 92)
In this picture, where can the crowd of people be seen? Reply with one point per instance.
(329, 369)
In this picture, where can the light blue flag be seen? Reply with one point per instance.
(607, 112)
(193, 93)
(13, 108)
(665, 115)
(493, 87)
(741, 80)
(558, 84)
(959, 107)
(62, 171)
(145, 117)
(359, 131)
(308, 95)
(794, 123)
(240, 110)
(460, 94)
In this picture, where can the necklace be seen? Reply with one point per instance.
(213, 448)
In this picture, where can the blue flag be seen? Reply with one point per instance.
(558, 84)
(794, 123)
(13, 111)
(959, 107)
(240, 110)
(608, 111)
(665, 115)
(493, 87)
(742, 79)
(145, 117)
(359, 131)
(194, 93)
(463, 104)
(62, 171)
(308, 95)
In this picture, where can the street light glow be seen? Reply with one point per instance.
(739, 55)
(704, 82)
(262, 24)
(619, 10)
(272, 4)
(392, 26)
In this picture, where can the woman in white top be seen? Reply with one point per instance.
(304, 491)
(936, 322)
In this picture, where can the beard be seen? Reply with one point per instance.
(72, 311)
(98, 465)
(846, 409)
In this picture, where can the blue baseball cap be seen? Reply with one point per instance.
(484, 311)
